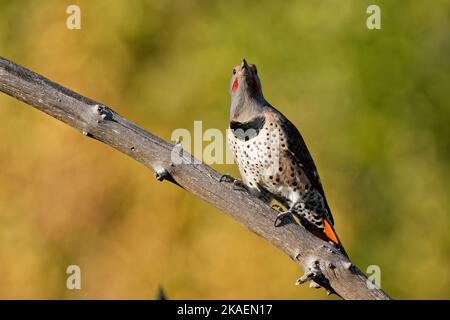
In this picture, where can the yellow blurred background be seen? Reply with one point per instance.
(373, 106)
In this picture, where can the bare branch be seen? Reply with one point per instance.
(323, 264)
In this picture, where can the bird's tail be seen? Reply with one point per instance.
(328, 234)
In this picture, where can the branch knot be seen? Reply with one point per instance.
(103, 111)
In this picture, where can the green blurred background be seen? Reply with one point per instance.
(373, 106)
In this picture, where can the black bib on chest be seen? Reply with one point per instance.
(249, 129)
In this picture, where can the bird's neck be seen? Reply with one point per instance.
(246, 107)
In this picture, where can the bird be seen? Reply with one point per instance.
(273, 159)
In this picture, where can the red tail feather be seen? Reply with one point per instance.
(328, 235)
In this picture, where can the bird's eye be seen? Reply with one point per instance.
(256, 71)
(234, 71)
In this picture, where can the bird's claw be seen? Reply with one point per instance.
(237, 184)
(227, 178)
(280, 217)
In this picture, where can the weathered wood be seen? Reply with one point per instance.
(320, 260)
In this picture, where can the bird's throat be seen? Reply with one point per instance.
(244, 106)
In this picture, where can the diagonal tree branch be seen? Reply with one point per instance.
(322, 263)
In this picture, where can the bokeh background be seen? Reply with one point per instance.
(373, 107)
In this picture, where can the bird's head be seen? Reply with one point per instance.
(245, 82)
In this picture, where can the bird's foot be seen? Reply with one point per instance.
(237, 184)
(282, 216)
(227, 178)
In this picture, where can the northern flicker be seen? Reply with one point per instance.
(272, 156)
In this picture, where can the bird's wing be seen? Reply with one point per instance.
(297, 146)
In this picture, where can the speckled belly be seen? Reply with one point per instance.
(264, 161)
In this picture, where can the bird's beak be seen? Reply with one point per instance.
(244, 64)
